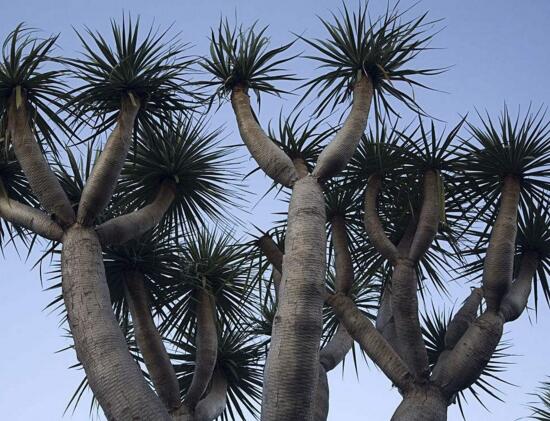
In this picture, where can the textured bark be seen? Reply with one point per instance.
(276, 282)
(385, 322)
(404, 306)
(425, 403)
(464, 364)
(113, 375)
(133, 225)
(27, 217)
(102, 182)
(336, 349)
(463, 318)
(150, 342)
(515, 301)
(336, 155)
(41, 178)
(292, 366)
(498, 269)
(270, 158)
(301, 167)
(373, 225)
(428, 221)
(342, 255)
(207, 350)
(271, 251)
(371, 341)
(322, 396)
(214, 403)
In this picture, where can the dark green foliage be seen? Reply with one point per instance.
(151, 69)
(381, 48)
(28, 73)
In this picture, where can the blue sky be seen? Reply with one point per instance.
(498, 51)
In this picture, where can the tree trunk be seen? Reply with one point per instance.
(113, 375)
(422, 404)
(292, 366)
(150, 342)
(214, 403)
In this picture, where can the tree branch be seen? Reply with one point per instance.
(271, 251)
(342, 255)
(41, 178)
(428, 221)
(373, 225)
(498, 267)
(33, 219)
(273, 161)
(515, 300)
(463, 318)
(207, 349)
(102, 182)
(133, 225)
(371, 341)
(150, 342)
(336, 155)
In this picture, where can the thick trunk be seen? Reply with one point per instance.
(102, 182)
(373, 225)
(133, 225)
(385, 322)
(214, 403)
(405, 312)
(342, 255)
(207, 349)
(336, 155)
(462, 366)
(321, 396)
(292, 366)
(498, 269)
(371, 341)
(113, 375)
(515, 301)
(41, 178)
(422, 404)
(273, 161)
(463, 318)
(33, 219)
(428, 221)
(150, 342)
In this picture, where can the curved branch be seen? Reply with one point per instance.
(214, 403)
(207, 349)
(371, 341)
(40, 176)
(273, 161)
(322, 392)
(150, 343)
(133, 225)
(336, 155)
(336, 349)
(342, 255)
(515, 300)
(428, 221)
(101, 184)
(463, 318)
(271, 251)
(385, 322)
(33, 219)
(498, 267)
(373, 225)
(464, 364)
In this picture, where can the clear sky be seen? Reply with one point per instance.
(498, 50)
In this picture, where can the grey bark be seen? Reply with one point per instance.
(207, 349)
(321, 396)
(385, 322)
(104, 177)
(463, 318)
(342, 256)
(214, 403)
(269, 157)
(373, 225)
(271, 251)
(498, 267)
(113, 375)
(292, 366)
(41, 178)
(150, 342)
(336, 155)
(424, 403)
(133, 225)
(515, 300)
(371, 341)
(466, 361)
(30, 218)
